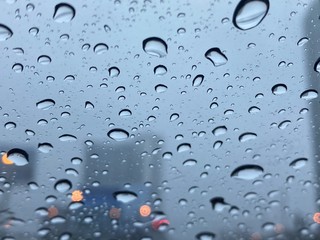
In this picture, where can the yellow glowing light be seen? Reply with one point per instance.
(6, 160)
(76, 196)
(145, 210)
(316, 217)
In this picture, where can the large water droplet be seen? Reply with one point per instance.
(279, 89)
(18, 156)
(67, 138)
(10, 125)
(45, 147)
(247, 172)
(63, 12)
(100, 48)
(247, 137)
(217, 145)
(197, 81)
(302, 41)
(118, 134)
(309, 94)
(155, 46)
(219, 130)
(317, 66)
(125, 196)
(125, 113)
(63, 185)
(5, 32)
(114, 72)
(160, 88)
(45, 104)
(189, 162)
(216, 57)
(284, 124)
(298, 163)
(18, 68)
(249, 13)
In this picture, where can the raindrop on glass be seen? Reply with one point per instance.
(63, 13)
(118, 134)
(247, 172)
(5, 32)
(216, 57)
(63, 185)
(155, 46)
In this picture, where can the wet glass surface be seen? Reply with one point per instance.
(160, 119)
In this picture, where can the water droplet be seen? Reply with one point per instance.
(197, 81)
(205, 236)
(100, 48)
(88, 105)
(10, 125)
(284, 124)
(247, 137)
(184, 147)
(309, 94)
(302, 41)
(18, 156)
(63, 13)
(5, 32)
(107, 28)
(219, 130)
(160, 88)
(155, 46)
(118, 134)
(174, 117)
(218, 204)
(114, 72)
(44, 60)
(45, 147)
(45, 104)
(125, 113)
(217, 145)
(69, 78)
(125, 196)
(18, 51)
(34, 31)
(63, 185)
(216, 57)
(30, 132)
(249, 13)
(189, 162)
(254, 109)
(67, 138)
(247, 172)
(71, 171)
(18, 68)
(298, 163)
(160, 70)
(279, 89)
(317, 66)
(76, 161)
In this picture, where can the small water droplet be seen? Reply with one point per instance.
(5, 32)
(125, 196)
(63, 13)
(100, 48)
(284, 124)
(45, 104)
(219, 130)
(247, 172)
(18, 68)
(18, 51)
(247, 137)
(34, 31)
(63, 185)
(317, 66)
(279, 89)
(174, 117)
(309, 94)
(160, 88)
(254, 109)
(118, 134)
(298, 163)
(189, 162)
(217, 145)
(155, 46)
(197, 81)
(18, 156)
(216, 57)
(184, 147)
(205, 236)
(44, 60)
(88, 105)
(125, 113)
(250, 13)
(67, 138)
(302, 41)
(160, 70)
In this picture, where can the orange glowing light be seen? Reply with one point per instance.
(255, 236)
(145, 210)
(76, 196)
(316, 217)
(52, 212)
(6, 160)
